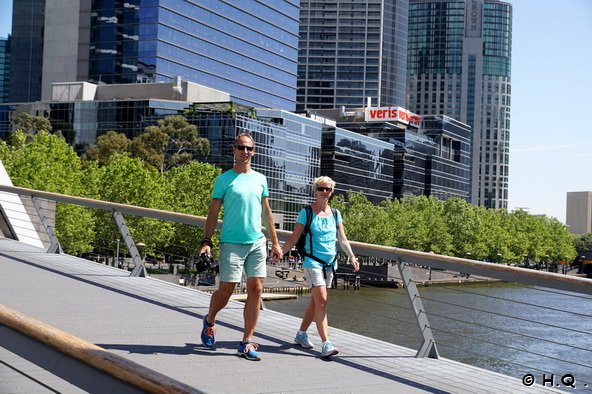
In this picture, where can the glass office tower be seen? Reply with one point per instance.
(4, 68)
(350, 51)
(247, 49)
(358, 163)
(26, 59)
(459, 66)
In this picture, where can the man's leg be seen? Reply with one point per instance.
(219, 300)
(252, 306)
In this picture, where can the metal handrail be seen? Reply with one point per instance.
(433, 260)
(403, 257)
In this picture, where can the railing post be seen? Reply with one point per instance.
(428, 347)
(55, 246)
(139, 269)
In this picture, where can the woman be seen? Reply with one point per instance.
(327, 228)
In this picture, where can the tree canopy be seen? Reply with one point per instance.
(152, 171)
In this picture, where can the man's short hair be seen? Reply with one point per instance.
(238, 137)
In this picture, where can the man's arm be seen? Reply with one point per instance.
(206, 245)
(276, 250)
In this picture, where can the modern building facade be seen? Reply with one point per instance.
(4, 68)
(288, 145)
(350, 51)
(26, 60)
(248, 49)
(579, 212)
(430, 156)
(459, 65)
(449, 166)
(358, 163)
(302, 158)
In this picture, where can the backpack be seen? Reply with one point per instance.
(306, 233)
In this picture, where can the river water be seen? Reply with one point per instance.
(511, 329)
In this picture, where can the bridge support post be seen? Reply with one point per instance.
(139, 269)
(428, 347)
(54, 246)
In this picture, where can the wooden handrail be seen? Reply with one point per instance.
(126, 370)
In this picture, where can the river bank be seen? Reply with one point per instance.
(291, 280)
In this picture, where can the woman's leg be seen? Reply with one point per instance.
(319, 305)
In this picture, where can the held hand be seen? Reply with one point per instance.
(206, 249)
(276, 252)
(355, 264)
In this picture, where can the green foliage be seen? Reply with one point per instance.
(583, 243)
(32, 124)
(106, 146)
(43, 161)
(189, 191)
(455, 227)
(48, 163)
(184, 144)
(126, 180)
(150, 146)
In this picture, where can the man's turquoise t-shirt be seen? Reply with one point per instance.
(324, 237)
(241, 196)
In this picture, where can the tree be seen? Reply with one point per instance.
(126, 180)
(48, 163)
(364, 221)
(184, 143)
(465, 222)
(583, 243)
(189, 190)
(32, 124)
(150, 146)
(106, 146)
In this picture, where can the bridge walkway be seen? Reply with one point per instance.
(156, 324)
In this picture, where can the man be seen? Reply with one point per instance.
(244, 194)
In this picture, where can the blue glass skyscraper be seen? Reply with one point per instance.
(248, 49)
(4, 68)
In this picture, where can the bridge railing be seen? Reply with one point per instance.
(403, 258)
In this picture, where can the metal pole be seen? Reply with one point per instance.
(117, 253)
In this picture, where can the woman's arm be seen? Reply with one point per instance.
(346, 247)
(293, 238)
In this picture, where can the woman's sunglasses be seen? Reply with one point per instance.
(245, 148)
(324, 189)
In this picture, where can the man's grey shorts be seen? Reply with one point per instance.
(314, 277)
(235, 257)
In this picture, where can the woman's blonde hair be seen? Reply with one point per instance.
(323, 179)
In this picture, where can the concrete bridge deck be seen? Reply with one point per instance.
(156, 325)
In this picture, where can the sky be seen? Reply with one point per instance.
(551, 122)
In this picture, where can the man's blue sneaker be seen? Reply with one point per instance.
(207, 333)
(248, 350)
(328, 349)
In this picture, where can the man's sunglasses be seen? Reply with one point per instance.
(245, 148)
(324, 189)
